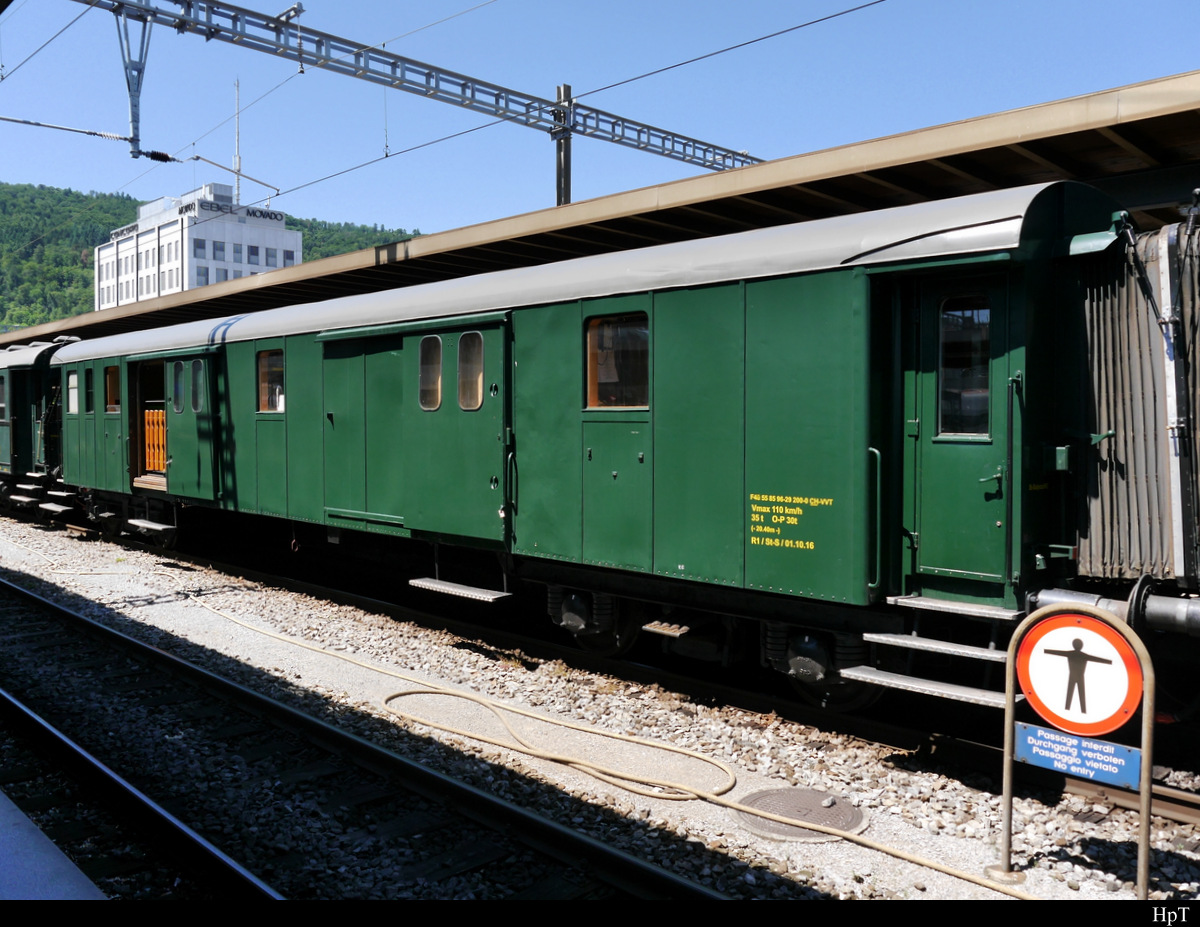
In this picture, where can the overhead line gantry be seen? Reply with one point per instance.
(282, 36)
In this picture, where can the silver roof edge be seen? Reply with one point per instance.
(981, 223)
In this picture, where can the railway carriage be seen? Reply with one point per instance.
(829, 444)
(30, 416)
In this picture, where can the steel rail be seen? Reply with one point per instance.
(619, 869)
(146, 814)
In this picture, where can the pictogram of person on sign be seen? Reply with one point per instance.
(1077, 662)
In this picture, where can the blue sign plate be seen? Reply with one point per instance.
(1082, 757)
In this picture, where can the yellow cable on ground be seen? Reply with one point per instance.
(638, 785)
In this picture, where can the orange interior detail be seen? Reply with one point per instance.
(156, 440)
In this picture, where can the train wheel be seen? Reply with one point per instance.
(843, 697)
(615, 632)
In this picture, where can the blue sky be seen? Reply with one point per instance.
(897, 66)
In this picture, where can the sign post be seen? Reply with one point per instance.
(1084, 672)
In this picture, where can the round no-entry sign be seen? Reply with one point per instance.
(1079, 674)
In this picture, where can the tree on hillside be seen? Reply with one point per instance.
(47, 236)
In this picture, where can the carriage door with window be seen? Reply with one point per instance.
(956, 425)
(191, 438)
(617, 460)
(455, 457)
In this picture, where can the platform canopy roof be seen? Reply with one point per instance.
(1139, 143)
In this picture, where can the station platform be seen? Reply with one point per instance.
(32, 868)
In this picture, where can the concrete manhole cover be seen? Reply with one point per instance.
(806, 805)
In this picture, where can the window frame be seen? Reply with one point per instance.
(112, 389)
(72, 392)
(177, 386)
(429, 383)
(266, 374)
(632, 377)
(979, 353)
(198, 385)
(472, 379)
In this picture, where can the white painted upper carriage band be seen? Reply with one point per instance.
(984, 222)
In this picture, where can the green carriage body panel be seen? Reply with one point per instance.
(958, 415)
(95, 450)
(699, 430)
(547, 386)
(364, 411)
(807, 500)
(618, 467)
(6, 447)
(345, 432)
(302, 487)
(112, 436)
(236, 408)
(758, 401)
(453, 460)
(388, 390)
(85, 417)
(618, 457)
(271, 432)
(193, 433)
(74, 459)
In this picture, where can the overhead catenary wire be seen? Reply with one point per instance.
(161, 157)
(35, 52)
(506, 119)
(730, 48)
(389, 154)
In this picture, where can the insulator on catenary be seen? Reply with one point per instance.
(157, 156)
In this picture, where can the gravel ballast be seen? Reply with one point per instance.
(909, 806)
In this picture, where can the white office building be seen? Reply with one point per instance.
(180, 243)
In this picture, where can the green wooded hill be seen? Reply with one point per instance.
(47, 235)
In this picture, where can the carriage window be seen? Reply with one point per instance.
(965, 351)
(270, 381)
(470, 372)
(89, 391)
(72, 392)
(112, 390)
(618, 361)
(197, 386)
(430, 393)
(177, 386)
(3, 399)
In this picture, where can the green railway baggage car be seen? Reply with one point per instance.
(817, 443)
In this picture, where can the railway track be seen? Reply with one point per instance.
(1170, 804)
(118, 836)
(961, 745)
(915, 753)
(299, 801)
(963, 748)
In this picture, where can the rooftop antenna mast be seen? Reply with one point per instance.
(237, 142)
